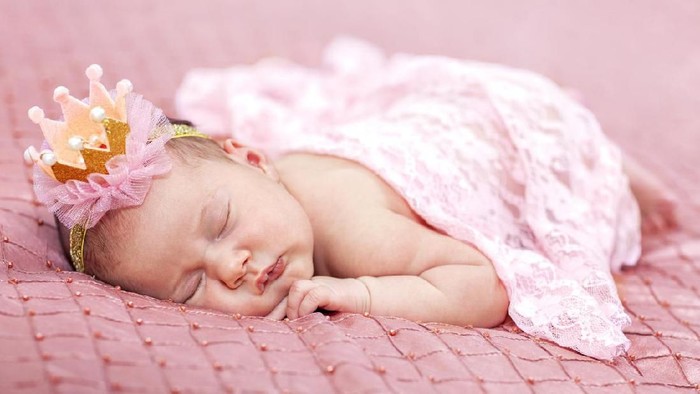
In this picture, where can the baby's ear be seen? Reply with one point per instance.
(251, 157)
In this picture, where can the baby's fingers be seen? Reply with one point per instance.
(318, 297)
(296, 295)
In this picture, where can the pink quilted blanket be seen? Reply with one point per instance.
(64, 332)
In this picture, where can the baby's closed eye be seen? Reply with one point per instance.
(224, 225)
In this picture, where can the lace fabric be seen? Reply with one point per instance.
(496, 157)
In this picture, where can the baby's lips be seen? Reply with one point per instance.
(269, 274)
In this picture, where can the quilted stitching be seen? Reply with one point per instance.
(63, 332)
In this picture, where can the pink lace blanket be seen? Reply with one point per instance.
(496, 157)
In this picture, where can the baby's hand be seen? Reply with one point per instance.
(332, 294)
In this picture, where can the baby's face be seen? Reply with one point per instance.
(220, 235)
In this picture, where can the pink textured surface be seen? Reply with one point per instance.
(636, 65)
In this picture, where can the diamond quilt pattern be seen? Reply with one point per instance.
(61, 331)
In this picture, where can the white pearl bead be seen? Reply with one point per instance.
(75, 142)
(94, 139)
(28, 157)
(48, 157)
(36, 114)
(97, 114)
(60, 94)
(124, 87)
(94, 72)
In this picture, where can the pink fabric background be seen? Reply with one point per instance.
(637, 64)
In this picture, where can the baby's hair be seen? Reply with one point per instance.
(99, 246)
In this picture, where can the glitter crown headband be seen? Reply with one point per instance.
(102, 156)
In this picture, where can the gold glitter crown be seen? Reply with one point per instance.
(90, 134)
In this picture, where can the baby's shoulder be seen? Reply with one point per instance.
(351, 210)
(329, 186)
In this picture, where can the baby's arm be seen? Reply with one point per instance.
(458, 286)
(455, 294)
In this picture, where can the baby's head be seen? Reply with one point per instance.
(219, 230)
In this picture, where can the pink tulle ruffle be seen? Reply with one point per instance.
(129, 176)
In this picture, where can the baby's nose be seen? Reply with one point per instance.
(240, 259)
(233, 269)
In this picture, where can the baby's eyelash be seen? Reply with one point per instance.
(223, 228)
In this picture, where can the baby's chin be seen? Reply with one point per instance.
(261, 308)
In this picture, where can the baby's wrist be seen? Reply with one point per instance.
(365, 301)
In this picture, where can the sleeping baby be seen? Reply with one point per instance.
(420, 187)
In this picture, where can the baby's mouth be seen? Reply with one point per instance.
(270, 273)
